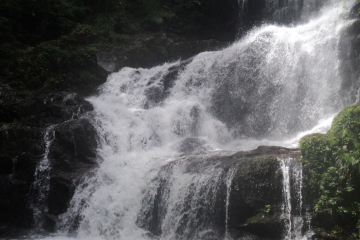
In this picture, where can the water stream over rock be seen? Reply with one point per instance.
(41, 185)
(168, 134)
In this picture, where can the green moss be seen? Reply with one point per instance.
(259, 218)
(345, 128)
(53, 67)
(332, 167)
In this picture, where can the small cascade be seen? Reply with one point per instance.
(228, 189)
(242, 3)
(186, 201)
(273, 84)
(41, 185)
(285, 167)
(296, 218)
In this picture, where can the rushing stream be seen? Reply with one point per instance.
(271, 87)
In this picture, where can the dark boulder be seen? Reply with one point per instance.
(257, 181)
(72, 155)
(149, 50)
(159, 89)
(31, 109)
(355, 11)
(256, 12)
(29, 125)
(20, 151)
(349, 55)
(193, 145)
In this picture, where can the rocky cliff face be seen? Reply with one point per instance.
(149, 50)
(349, 53)
(228, 194)
(54, 126)
(171, 43)
(34, 129)
(283, 12)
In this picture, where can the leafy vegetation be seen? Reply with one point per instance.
(332, 162)
(42, 43)
(267, 209)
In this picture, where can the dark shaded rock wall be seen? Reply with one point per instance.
(283, 12)
(24, 119)
(257, 181)
(171, 42)
(349, 55)
(149, 50)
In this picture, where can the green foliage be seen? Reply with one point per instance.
(267, 209)
(43, 42)
(50, 67)
(317, 152)
(31, 21)
(332, 161)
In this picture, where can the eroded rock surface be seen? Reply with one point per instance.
(25, 120)
(237, 209)
(149, 50)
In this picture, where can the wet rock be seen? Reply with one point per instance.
(354, 12)
(72, 153)
(265, 227)
(257, 181)
(49, 223)
(193, 145)
(147, 51)
(256, 12)
(159, 90)
(349, 54)
(242, 235)
(322, 235)
(20, 151)
(31, 109)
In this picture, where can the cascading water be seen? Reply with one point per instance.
(41, 185)
(273, 84)
(228, 190)
(293, 207)
(285, 167)
(185, 201)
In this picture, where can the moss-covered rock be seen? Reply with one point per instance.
(252, 201)
(257, 183)
(345, 129)
(24, 119)
(332, 173)
(147, 50)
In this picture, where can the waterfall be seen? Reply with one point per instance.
(285, 167)
(228, 189)
(186, 201)
(265, 89)
(41, 185)
(296, 217)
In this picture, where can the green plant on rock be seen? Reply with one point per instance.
(332, 161)
(267, 209)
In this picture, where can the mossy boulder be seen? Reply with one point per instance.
(344, 133)
(345, 129)
(344, 136)
(247, 208)
(332, 173)
(257, 183)
(146, 50)
(24, 121)
(349, 53)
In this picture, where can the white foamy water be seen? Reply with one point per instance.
(41, 185)
(270, 88)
